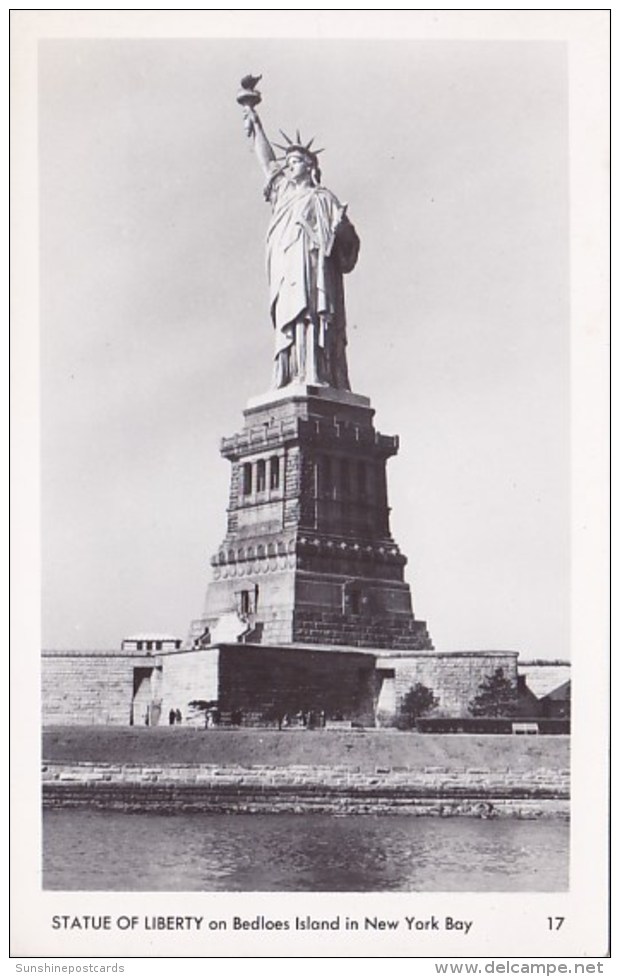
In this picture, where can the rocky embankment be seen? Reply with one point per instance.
(511, 778)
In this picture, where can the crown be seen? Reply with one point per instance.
(298, 145)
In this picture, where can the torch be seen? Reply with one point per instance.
(249, 98)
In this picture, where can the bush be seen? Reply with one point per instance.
(416, 702)
(497, 696)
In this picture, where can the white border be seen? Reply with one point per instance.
(508, 924)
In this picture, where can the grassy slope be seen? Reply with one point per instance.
(248, 747)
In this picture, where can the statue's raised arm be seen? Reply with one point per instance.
(310, 245)
(249, 98)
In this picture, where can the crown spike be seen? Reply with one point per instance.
(288, 139)
(298, 137)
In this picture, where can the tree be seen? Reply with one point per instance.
(497, 696)
(418, 700)
(208, 708)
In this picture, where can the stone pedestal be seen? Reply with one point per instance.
(308, 557)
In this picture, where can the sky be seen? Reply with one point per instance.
(154, 327)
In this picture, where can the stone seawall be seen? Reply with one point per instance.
(209, 788)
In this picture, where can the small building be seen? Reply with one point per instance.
(556, 704)
(544, 689)
(151, 643)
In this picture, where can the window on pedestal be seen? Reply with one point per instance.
(345, 478)
(248, 601)
(362, 486)
(274, 473)
(325, 477)
(261, 475)
(352, 598)
(355, 602)
(247, 479)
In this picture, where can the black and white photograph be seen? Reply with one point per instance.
(310, 411)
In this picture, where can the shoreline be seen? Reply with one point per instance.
(304, 789)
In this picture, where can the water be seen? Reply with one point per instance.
(100, 850)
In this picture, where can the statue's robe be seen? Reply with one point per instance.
(310, 244)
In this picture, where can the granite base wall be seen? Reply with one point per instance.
(88, 688)
(261, 681)
(453, 677)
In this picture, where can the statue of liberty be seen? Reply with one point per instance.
(311, 244)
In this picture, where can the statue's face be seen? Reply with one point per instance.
(297, 167)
